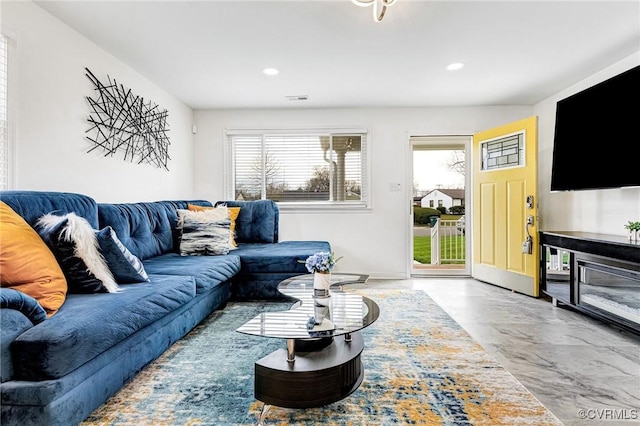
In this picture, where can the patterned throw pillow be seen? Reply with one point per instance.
(204, 232)
(27, 264)
(74, 244)
(233, 215)
(124, 265)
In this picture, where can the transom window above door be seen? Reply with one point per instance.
(303, 168)
(503, 152)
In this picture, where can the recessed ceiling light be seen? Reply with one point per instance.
(270, 71)
(455, 66)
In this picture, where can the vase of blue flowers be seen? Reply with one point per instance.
(320, 265)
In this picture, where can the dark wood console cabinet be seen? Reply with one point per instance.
(601, 275)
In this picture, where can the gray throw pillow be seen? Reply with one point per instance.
(124, 265)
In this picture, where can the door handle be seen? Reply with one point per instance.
(527, 245)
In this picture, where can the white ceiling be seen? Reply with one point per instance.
(210, 54)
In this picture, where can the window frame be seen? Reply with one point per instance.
(9, 136)
(304, 206)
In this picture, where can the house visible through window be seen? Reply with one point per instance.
(4, 125)
(310, 168)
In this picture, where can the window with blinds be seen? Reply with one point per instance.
(309, 168)
(4, 125)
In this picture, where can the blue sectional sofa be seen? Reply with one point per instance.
(59, 370)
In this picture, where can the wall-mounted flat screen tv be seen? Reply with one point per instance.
(596, 143)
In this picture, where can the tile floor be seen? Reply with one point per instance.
(568, 360)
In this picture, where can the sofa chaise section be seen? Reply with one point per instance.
(264, 260)
(264, 266)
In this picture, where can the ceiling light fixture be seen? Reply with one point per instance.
(270, 71)
(455, 66)
(379, 7)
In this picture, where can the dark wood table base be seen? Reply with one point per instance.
(313, 379)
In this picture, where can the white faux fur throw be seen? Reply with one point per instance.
(79, 231)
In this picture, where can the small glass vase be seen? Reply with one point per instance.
(321, 309)
(321, 284)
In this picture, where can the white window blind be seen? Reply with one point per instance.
(4, 125)
(309, 168)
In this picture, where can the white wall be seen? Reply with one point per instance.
(601, 211)
(375, 241)
(50, 112)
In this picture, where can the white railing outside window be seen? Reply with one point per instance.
(302, 168)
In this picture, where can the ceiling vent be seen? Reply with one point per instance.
(298, 97)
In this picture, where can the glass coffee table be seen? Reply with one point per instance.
(321, 363)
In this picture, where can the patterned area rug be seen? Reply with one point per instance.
(421, 368)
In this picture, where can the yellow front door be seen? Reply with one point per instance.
(505, 213)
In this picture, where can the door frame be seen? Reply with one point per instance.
(499, 240)
(443, 142)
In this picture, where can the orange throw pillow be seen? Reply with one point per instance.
(197, 208)
(233, 215)
(27, 264)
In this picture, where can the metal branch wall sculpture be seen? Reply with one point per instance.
(122, 121)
